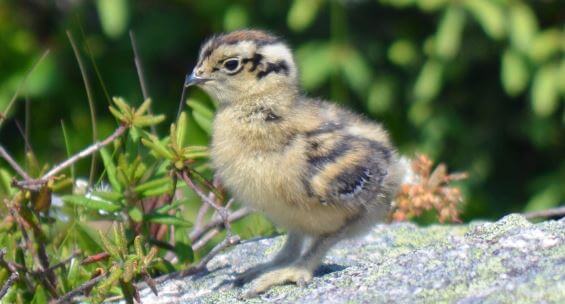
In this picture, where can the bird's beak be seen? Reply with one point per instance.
(191, 79)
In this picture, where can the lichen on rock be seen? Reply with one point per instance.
(508, 261)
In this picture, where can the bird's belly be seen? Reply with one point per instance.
(273, 186)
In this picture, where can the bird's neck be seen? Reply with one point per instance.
(278, 101)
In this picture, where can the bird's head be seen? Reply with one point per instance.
(240, 65)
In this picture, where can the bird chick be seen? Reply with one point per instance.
(317, 170)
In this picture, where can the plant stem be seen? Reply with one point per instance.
(90, 102)
(140, 74)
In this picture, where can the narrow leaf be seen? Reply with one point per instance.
(91, 203)
(111, 171)
(167, 219)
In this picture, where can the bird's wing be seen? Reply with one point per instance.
(342, 168)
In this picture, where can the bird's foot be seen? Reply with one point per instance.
(299, 276)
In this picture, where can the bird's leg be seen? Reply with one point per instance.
(301, 270)
(291, 250)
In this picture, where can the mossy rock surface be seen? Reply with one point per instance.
(508, 261)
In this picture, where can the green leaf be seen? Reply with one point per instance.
(157, 147)
(110, 169)
(112, 196)
(490, 16)
(167, 188)
(523, 26)
(545, 91)
(356, 71)
(195, 154)
(515, 73)
(93, 204)
(432, 5)
(236, 17)
(153, 184)
(402, 52)
(203, 121)
(546, 198)
(143, 107)
(109, 246)
(167, 219)
(114, 16)
(302, 13)
(122, 105)
(73, 274)
(149, 120)
(314, 59)
(118, 114)
(86, 238)
(135, 214)
(197, 106)
(546, 44)
(183, 248)
(448, 37)
(68, 148)
(120, 239)
(39, 296)
(181, 129)
(429, 81)
(165, 208)
(5, 182)
(381, 95)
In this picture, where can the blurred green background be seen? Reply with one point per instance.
(477, 84)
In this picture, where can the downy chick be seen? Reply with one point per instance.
(317, 170)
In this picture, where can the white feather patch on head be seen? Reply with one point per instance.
(277, 52)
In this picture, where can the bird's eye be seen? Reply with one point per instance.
(231, 64)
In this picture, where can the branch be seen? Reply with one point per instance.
(239, 214)
(224, 220)
(9, 282)
(6, 156)
(84, 153)
(549, 213)
(13, 277)
(79, 290)
(227, 242)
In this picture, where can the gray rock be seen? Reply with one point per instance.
(509, 261)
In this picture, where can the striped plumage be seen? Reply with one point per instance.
(310, 166)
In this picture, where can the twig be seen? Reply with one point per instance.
(65, 261)
(205, 239)
(46, 275)
(138, 66)
(90, 102)
(13, 277)
(181, 103)
(79, 290)
(6, 156)
(85, 153)
(553, 212)
(239, 214)
(11, 280)
(140, 74)
(199, 221)
(225, 218)
(227, 242)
